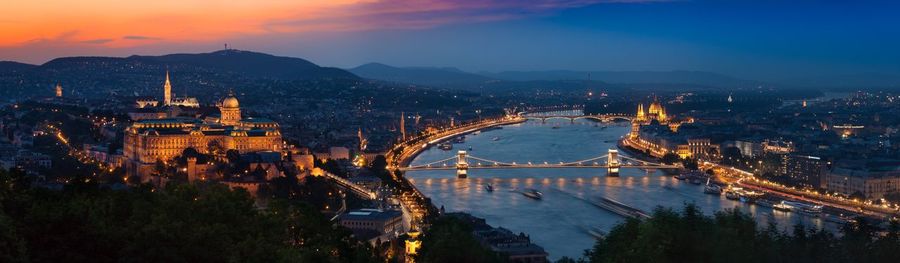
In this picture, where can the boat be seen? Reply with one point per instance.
(782, 207)
(476, 132)
(805, 208)
(681, 177)
(555, 127)
(489, 187)
(533, 194)
(470, 148)
(495, 138)
(765, 203)
(446, 146)
(712, 189)
(620, 208)
(732, 195)
(459, 139)
(749, 196)
(695, 180)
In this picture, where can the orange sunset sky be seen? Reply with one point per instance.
(38, 30)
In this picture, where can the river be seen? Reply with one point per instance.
(560, 221)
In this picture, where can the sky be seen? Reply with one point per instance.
(760, 39)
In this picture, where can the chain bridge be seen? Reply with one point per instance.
(612, 161)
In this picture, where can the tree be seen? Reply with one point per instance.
(450, 240)
(690, 164)
(670, 158)
(183, 223)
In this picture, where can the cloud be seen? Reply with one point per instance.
(398, 14)
(134, 37)
(128, 24)
(97, 41)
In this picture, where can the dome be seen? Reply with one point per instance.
(230, 102)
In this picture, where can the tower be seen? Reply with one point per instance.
(230, 111)
(58, 90)
(362, 140)
(641, 116)
(612, 162)
(462, 165)
(402, 126)
(167, 91)
(661, 116)
(635, 130)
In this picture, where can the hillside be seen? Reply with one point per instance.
(12, 66)
(427, 76)
(628, 77)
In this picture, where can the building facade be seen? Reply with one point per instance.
(148, 141)
(870, 182)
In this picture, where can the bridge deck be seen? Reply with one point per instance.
(535, 167)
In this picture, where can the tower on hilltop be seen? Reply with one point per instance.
(59, 90)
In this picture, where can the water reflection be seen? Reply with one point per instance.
(558, 222)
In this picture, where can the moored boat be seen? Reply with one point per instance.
(446, 146)
(765, 203)
(782, 207)
(712, 189)
(489, 187)
(732, 195)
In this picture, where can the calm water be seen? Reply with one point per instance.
(560, 221)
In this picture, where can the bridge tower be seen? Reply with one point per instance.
(612, 163)
(462, 166)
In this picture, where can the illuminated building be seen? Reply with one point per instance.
(59, 90)
(168, 98)
(150, 140)
(373, 224)
(658, 121)
(167, 91)
(641, 116)
(657, 112)
(412, 245)
(872, 180)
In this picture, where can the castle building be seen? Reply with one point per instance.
(150, 140)
(169, 98)
(167, 91)
(59, 90)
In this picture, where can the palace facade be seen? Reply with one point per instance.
(148, 141)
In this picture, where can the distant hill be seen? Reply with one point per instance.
(628, 77)
(12, 66)
(850, 81)
(193, 74)
(427, 76)
(249, 64)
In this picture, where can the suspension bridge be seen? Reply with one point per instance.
(612, 161)
(573, 115)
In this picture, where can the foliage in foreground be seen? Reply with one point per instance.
(184, 223)
(450, 240)
(732, 236)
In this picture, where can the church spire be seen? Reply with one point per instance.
(167, 90)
